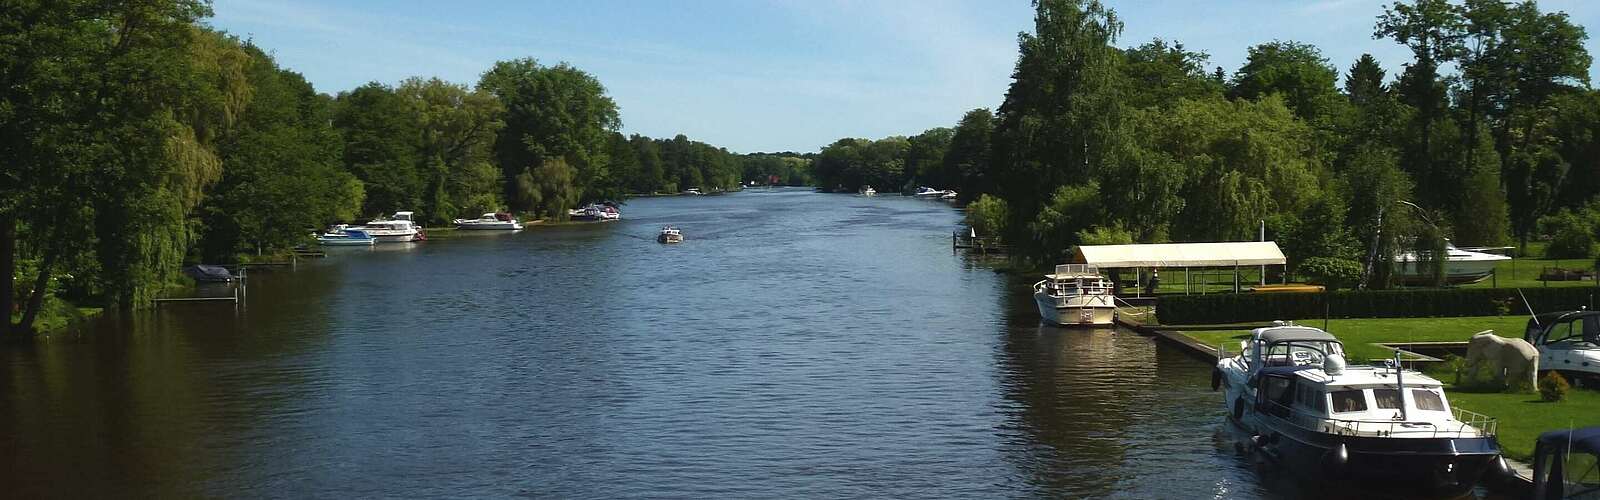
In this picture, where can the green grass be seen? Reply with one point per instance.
(56, 314)
(1358, 334)
(1523, 416)
(1524, 273)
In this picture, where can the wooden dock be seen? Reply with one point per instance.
(982, 245)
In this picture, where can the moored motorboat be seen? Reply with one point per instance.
(1460, 266)
(397, 228)
(1381, 428)
(490, 221)
(344, 237)
(868, 191)
(1075, 294)
(596, 212)
(670, 234)
(948, 195)
(927, 192)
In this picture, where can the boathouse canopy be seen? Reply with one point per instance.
(1243, 253)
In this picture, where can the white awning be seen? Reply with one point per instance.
(1243, 253)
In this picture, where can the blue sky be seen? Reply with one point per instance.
(773, 76)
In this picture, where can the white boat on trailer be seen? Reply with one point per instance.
(490, 221)
(1076, 294)
(1383, 428)
(1461, 265)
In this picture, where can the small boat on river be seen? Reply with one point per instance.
(596, 212)
(1075, 294)
(345, 237)
(1382, 428)
(670, 234)
(490, 221)
(868, 191)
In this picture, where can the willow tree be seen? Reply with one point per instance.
(108, 114)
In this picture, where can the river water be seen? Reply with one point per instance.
(796, 345)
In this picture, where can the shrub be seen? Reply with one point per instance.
(1572, 235)
(1553, 387)
(1234, 308)
(987, 216)
(1331, 272)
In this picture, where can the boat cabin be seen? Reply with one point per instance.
(1289, 345)
(1571, 327)
(1077, 279)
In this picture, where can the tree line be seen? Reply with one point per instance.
(135, 139)
(1347, 168)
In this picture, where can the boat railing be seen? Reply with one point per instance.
(1465, 424)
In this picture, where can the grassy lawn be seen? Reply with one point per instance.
(1524, 273)
(1523, 416)
(1359, 333)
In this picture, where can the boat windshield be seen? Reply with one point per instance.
(1301, 352)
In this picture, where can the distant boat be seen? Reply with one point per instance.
(693, 192)
(868, 191)
(1460, 266)
(490, 221)
(397, 228)
(928, 192)
(670, 234)
(948, 195)
(596, 212)
(345, 237)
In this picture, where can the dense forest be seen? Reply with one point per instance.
(1345, 167)
(134, 139)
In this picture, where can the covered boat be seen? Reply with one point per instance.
(1566, 464)
(208, 274)
(1382, 428)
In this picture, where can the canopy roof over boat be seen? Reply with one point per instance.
(1237, 253)
(1295, 334)
(1583, 440)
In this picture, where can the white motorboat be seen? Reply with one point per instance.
(397, 228)
(344, 237)
(948, 195)
(596, 212)
(1076, 294)
(670, 234)
(868, 191)
(927, 192)
(693, 192)
(490, 221)
(1460, 266)
(1381, 427)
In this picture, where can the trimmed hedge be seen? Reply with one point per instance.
(1240, 307)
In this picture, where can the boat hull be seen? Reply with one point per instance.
(394, 238)
(489, 226)
(1455, 271)
(1075, 311)
(1408, 467)
(345, 242)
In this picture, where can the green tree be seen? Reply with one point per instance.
(457, 131)
(382, 133)
(1062, 113)
(968, 156)
(1160, 73)
(282, 171)
(1364, 83)
(1295, 70)
(553, 112)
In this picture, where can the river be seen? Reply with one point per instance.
(796, 345)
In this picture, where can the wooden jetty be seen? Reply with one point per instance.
(961, 241)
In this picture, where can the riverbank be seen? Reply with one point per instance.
(56, 315)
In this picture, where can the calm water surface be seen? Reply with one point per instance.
(797, 345)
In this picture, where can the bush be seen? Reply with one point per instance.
(1553, 387)
(1234, 308)
(987, 216)
(1331, 272)
(1572, 235)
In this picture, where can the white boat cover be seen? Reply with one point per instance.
(1241, 253)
